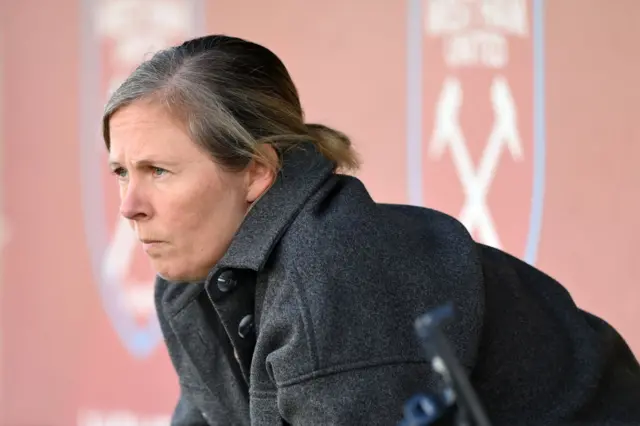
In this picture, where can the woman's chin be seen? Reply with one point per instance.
(176, 275)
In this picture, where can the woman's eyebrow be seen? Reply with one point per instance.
(145, 162)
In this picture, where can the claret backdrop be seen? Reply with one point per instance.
(519, 117)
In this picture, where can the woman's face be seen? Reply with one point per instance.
(183, 207)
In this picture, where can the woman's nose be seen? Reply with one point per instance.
(133, 205)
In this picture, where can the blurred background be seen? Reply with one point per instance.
(519, 117)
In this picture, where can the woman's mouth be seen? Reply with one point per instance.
(151, 245)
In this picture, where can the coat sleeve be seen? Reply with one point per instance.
(185, 413)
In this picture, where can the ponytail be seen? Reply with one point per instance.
(334, 145)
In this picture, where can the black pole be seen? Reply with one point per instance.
(444, 361)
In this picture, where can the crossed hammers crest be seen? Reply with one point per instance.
(476, 181)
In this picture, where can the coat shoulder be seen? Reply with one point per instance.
(342, 221)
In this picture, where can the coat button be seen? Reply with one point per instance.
(227, 281)
(245, 328)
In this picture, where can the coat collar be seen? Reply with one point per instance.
(303, 172)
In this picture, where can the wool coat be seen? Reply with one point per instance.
(307, 319)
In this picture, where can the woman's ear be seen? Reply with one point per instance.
(261, 173)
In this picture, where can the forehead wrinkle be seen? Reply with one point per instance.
(142, 146)
(148, 135)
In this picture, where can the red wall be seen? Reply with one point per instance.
(355, 64)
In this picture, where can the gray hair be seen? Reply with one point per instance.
(232, 95)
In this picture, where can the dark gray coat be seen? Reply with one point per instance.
(308, 319)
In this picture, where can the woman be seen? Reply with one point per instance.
(286, 295)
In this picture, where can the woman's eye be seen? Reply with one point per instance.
(120, 172)
(157, 171)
